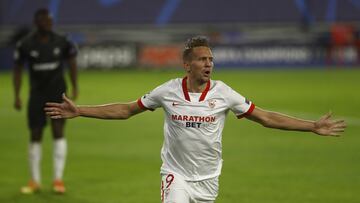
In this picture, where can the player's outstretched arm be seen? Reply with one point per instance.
(68, 109)
(324, 126)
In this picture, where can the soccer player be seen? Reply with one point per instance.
(195, 109)
(45, 52)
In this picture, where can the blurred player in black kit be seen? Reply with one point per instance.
(45, 53)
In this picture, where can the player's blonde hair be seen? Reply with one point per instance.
(197, 41)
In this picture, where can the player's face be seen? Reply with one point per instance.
(44, 23)
(200, 65)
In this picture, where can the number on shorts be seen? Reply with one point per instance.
(169, 179)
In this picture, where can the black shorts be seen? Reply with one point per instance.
(36, 114)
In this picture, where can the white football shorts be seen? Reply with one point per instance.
(174, 189)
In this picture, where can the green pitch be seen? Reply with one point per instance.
(119, 161)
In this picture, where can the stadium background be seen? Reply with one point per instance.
(295, 56)
(123, 33)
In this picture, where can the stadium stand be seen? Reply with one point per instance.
(245, 33)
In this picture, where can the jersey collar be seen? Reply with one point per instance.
(186, 92)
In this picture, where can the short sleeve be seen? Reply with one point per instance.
(237, 103)
(71, 49)
(153, 99)
(19, 54)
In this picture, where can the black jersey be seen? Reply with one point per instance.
(45, 61)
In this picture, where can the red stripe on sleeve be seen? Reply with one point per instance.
(251, 109)
(141, 105)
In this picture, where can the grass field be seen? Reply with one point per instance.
(119, 161)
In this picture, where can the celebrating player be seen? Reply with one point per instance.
(195, 109)
(45, 52)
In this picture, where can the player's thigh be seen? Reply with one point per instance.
(174, 189)
(205, 191)
(35, 111)
(57, 126)
(177, 196)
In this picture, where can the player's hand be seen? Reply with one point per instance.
(18, 103)
(327, 127)
(66, 109)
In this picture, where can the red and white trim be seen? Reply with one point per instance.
(186, 92)
(142, 106)
(249, 111)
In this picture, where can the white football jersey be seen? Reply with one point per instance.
(193, 125)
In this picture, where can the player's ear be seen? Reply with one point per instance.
(187, 66)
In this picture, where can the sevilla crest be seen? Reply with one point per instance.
(212, 103)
